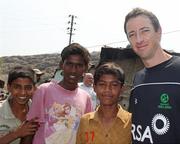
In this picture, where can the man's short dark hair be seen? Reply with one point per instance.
(139, 11)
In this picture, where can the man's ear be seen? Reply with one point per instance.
(159, 31)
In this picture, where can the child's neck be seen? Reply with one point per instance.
(67, 86)
(19, 110)
(108, 112)
(107, 116)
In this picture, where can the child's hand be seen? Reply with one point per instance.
(27, 128)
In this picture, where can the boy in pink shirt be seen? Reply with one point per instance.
(59, 106)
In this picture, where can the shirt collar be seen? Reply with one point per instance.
(120, 114)
(6, 111)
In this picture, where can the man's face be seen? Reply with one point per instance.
(142, 36)
(88, 80)
(21, 90)
(73, 68)
(108, 90)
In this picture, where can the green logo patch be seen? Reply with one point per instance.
(164, 102)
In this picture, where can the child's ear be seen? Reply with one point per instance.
(60, 64)
(86, 68)
(35, 88)
(8, 87)
(94, 87)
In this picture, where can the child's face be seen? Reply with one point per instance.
(21, 90)
(73, 68)
(108, 90)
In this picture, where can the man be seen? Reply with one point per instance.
(13, 110)
(38, 75)
(154, 100)
(59, 105)
(109, 124)
(87, 85)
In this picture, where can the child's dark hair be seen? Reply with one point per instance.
(75, 49)
(21, 72)
(109, 68)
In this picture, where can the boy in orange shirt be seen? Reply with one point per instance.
(109, 124)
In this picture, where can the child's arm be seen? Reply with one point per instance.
(27, 128)
(27, 139)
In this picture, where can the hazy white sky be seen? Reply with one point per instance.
(40, 26)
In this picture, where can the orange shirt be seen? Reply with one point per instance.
(91, 131)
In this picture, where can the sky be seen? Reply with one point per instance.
(30, 27)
